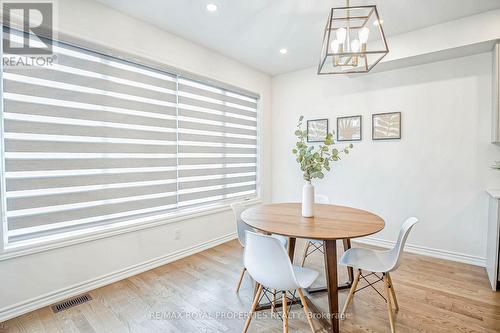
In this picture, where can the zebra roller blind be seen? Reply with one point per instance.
(93, 140)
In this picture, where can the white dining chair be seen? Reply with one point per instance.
(241, 227)
(269, 265)
(382, 262)
(313, 245)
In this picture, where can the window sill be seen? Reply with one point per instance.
(110, 231)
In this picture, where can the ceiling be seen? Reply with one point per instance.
(253, 31)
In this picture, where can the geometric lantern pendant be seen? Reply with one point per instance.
(353, 41)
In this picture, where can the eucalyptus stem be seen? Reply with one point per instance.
(315, 160)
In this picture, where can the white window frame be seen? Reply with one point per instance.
(40, 244)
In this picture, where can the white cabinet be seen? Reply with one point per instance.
(495, 130)
(493, 240)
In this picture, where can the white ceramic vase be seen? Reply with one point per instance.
(308, 200)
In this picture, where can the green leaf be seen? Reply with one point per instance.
(316, 160)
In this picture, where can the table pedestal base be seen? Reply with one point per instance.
(343, 286)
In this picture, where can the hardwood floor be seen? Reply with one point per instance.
(434, 296)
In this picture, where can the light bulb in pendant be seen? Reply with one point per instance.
(355, 46)
(335, 46)
(341, 34)
(363, 35)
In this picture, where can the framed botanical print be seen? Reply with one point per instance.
(386, 126)
(317, 130)
(349, 128)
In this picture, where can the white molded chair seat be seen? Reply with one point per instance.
(283, 240)
(269, 265)
(241, 227)
(368, 260)
(305, 276)
(321, 199)
(378, 262)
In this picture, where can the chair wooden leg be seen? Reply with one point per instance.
(389, 305)
(306, 310)
(304, 256)
(351, 293)
(393, 293)
(241, 279)
(285, 313)
(252, 310)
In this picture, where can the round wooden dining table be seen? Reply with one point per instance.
(329, 224)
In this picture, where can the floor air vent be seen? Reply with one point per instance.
(71, 303)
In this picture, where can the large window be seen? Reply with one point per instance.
(93, 140)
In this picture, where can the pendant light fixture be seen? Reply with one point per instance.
(353, 41)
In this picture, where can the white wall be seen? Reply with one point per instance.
(438, 171)
(35, 280)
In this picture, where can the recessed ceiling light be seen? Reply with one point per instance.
(378, 22)
(211, 7)
(283, 51)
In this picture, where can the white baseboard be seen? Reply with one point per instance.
(86, 286)
(427, 251)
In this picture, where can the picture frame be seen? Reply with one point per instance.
(386, 126)
(317, 130)
(350, 128)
